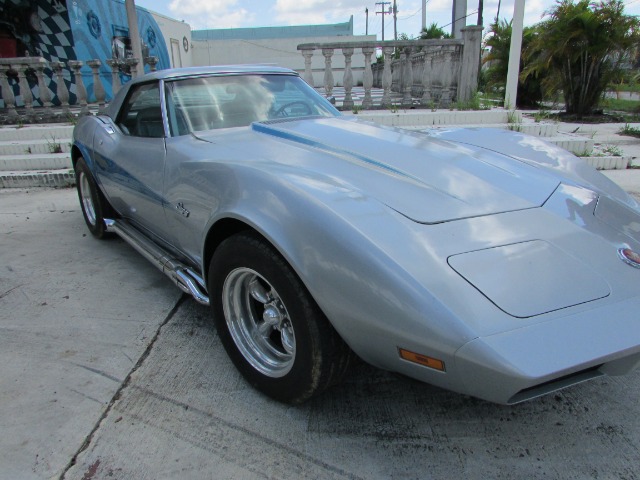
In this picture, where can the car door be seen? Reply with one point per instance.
(130, 161)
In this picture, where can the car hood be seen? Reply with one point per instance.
(428, 180)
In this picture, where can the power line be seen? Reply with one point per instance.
(465, 16)
(415, 13)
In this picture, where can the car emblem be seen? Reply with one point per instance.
(629, 257)
(181, 210)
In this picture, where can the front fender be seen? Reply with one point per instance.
(83, 134)
(344, 247)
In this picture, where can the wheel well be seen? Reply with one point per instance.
(218, 233)
(75, 154)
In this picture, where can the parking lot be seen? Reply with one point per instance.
(108, 371)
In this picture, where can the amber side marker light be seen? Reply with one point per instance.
(423, 360)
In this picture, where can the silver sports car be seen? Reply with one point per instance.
(486, 262)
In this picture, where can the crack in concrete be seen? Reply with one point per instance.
(125, 384)
(2, 295)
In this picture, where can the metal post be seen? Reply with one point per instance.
(511, 90)
(366, 12)
(459, 17)
(424, 14)
(134, 33)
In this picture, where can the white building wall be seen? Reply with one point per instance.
(282, 53)
(177, 36)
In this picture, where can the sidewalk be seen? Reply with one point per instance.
(108, 374)
(76, 316)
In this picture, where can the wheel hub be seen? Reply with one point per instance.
(258, 322)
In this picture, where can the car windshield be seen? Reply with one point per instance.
(206, 103)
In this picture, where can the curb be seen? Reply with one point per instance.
(26, 179)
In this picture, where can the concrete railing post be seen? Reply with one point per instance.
(447, 76)
(455, 73)
(81, 91)
(25, 90)
(98, 88)
(132, 63)
(426, 79)
(308, 72)
(62, 90)
(153, 63)
(407, 78)
(114, 65)
(468, 83)
(386, 76)
(328, 73)
(347, 80)
(367, 78)
(7, 93)
(43, 89)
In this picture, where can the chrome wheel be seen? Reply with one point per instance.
(86, 198)
(258, 322)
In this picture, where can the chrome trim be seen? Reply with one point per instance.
(185, 278)
(556, 384)
(86, 198)
(626, 259)
(258, 322)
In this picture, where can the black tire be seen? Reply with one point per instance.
(95, 207)
(250, 282)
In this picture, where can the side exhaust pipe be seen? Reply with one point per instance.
(182, 275)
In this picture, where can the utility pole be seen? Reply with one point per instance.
(366, 12)
(424, 15)
(395, 20)
(480, 11)
(134, 35)
(458, 17)
(383, 13)
(511, 89)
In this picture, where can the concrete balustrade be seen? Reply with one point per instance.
(31, 85)
(429, 72)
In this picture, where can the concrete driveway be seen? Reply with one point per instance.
(108, 372)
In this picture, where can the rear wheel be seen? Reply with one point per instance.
(272, 329)
(95, 206)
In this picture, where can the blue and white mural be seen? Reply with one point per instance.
(63, 30)
(100, 31)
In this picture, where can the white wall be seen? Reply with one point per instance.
(280, 52)
(174, 32)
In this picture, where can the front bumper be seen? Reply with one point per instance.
(531, 361)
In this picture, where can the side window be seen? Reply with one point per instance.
(141, 115)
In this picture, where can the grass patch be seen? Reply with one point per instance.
(54, 146)
(625, 87)
(621, 105)
(476, 102)
(611, 151)
(630, 131)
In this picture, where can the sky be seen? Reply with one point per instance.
(203, 14)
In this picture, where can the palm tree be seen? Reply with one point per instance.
(579, 49)
(498, 44)
(433, 31)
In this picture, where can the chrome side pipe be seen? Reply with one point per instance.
(183, 276)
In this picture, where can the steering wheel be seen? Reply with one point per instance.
(282, 111)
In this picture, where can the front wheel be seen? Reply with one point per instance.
(271, 328)
(95, 206)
